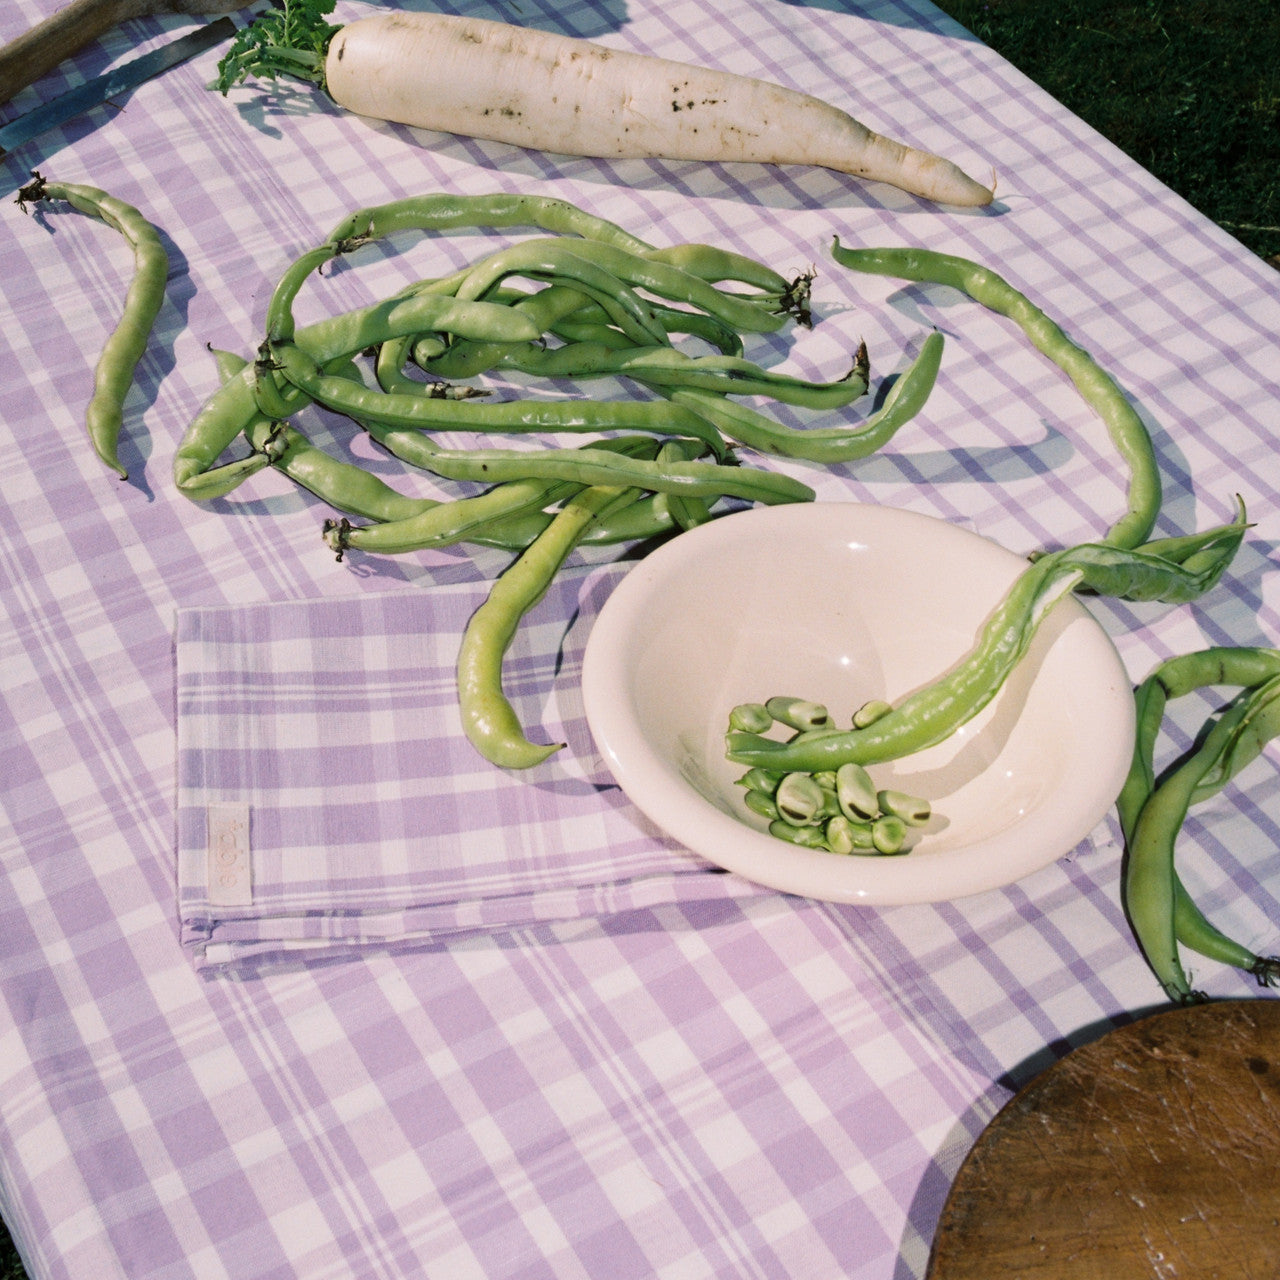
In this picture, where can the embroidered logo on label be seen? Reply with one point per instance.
(229, 874)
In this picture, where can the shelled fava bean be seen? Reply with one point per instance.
(840, 810)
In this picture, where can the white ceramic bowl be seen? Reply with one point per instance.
(841, 603)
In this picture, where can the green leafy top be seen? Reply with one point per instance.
(291, 41)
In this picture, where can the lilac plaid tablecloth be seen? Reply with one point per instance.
(727, 1084)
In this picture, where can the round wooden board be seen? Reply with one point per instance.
(1151, 1154)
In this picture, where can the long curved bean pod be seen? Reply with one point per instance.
(1135, 574)
(1235, 666)
(442, 524)
(468, 319)
(449, 212)
(573, 316)
(227, 412)
(343, 485)
(1151, 884)
(280, 323)
(716, 264)
(655, 274)
(905, 399)
(667, 368)
(1104, 395)
(488, 718)
(1193, 931)
(699, 324)
(447, 523)
(687, 512)
(1243, 668)
(1149, 878)
(558, 260)
(544, 308)
(933, 713)
(368, 405)
(231, 410)
(648, 518)
(591, 466)
(125, 345)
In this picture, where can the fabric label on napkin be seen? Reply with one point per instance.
(229, 869)
(332, 726)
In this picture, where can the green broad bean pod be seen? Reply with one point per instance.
(481, 321)
(488, 717)
(470, 519)
(698, 324)
(933, 713)
(343, 485)
(646, 519)
(543, 307)
(1099, 389)
(748, 426)
(655, 275)
(228, 411)
(1137, 574)
(1253, 671)
(446, 523)
(1237, 666)
(280, 320)
(125, 345)
(597, 333)
(559, 262)
(494, 210)
(716, 264)
(687, 512)
(559, 310)
(592, 467)
(1151, 884)
(427, 412)
(666, 368)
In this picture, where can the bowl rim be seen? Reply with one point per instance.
(1059, 822)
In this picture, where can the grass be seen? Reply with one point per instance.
(10, 1264)
(1190, 89)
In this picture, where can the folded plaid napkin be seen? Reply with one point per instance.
(328, 801)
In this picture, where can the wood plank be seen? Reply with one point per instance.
(1152, 1153)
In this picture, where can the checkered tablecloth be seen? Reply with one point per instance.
(730, 1084)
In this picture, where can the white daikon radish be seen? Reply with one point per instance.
(532, 88)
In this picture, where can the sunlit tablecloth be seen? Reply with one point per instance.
(736, 1086)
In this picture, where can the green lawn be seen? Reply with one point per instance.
(1189, 88)
(10, 1266)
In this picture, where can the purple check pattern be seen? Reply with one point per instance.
(651, 1080)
